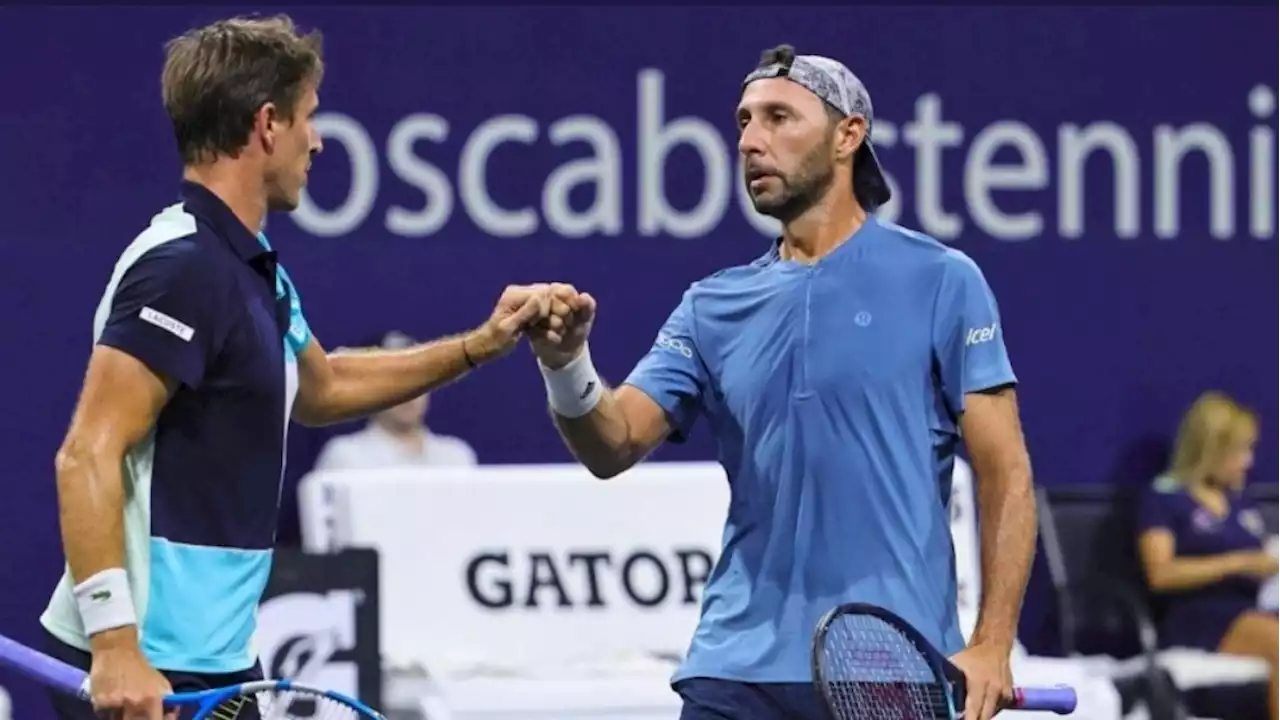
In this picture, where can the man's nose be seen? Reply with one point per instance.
(751, 140)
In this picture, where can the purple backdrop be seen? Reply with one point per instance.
(1129, 282)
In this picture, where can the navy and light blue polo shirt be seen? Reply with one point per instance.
(199, 298)
(834, 391)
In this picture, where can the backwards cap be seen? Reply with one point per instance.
(837, 86)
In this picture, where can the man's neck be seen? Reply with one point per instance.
(234, 185)
(822, 228)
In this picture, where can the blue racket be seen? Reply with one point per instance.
(870, 664)
(261, 700)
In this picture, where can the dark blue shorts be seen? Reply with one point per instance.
(712, 699)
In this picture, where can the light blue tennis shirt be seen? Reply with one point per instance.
(834, 392)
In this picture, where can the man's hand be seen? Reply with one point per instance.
(988, 680)
(560, 338)
(517, 308)
(121, 680)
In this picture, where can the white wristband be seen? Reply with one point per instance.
(105, 601)
(575, 389)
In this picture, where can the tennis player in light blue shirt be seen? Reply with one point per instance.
(839, 372)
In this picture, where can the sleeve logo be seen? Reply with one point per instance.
(666, 342)
(980, 335)
(164, 322)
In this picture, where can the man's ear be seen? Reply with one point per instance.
(266, 123)
(851, 133)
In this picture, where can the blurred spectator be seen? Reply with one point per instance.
(1202, 543)
(396, 437)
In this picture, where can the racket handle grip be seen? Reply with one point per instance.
(1060, 699)
(49, 671)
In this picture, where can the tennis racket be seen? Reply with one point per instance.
(870, 664)
(265, 699)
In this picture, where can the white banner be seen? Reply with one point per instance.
(515, 565)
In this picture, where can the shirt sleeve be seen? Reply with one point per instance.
(672, 373)
(1156, 511)
(968, 338)
(167, 312)
(299, 330)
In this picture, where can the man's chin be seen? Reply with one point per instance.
(283, 204)
(768, 206)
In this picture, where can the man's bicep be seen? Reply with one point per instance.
(315, 382)
(648, 424)
(119, 403)
(168, 313)
(969, 336)
(672, 374)
(992, 432)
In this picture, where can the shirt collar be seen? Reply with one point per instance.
(200, 201)
(774, 252)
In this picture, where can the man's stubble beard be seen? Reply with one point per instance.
(803, 188)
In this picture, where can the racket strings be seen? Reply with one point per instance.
(283, 705)
(871, 671)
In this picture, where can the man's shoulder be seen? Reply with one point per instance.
(923, 248)
(732, 277)
(173, 237)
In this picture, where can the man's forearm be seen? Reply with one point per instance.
(90, 511)
(601, 439)
(91, 517)
(369, 381)
(1007, 512)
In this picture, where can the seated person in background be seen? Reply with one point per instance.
(1201, 543)
(396, 437)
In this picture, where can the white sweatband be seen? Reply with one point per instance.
(105, 601)
(575, 389)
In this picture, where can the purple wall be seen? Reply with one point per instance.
(1129, 282)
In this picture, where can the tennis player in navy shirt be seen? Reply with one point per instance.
(169, 476)
(838, 372)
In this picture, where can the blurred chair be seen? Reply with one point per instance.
(1104, 610)
(1099, 696)
(1267, 495)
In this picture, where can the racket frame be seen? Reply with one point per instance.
(207, 700)
(950, 677)
(63, 677)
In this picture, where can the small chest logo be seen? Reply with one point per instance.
(862, 318)
(1203, 521)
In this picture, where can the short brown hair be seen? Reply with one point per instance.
(218, 76)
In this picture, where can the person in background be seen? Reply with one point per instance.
(1202, 542)
(396, 437)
